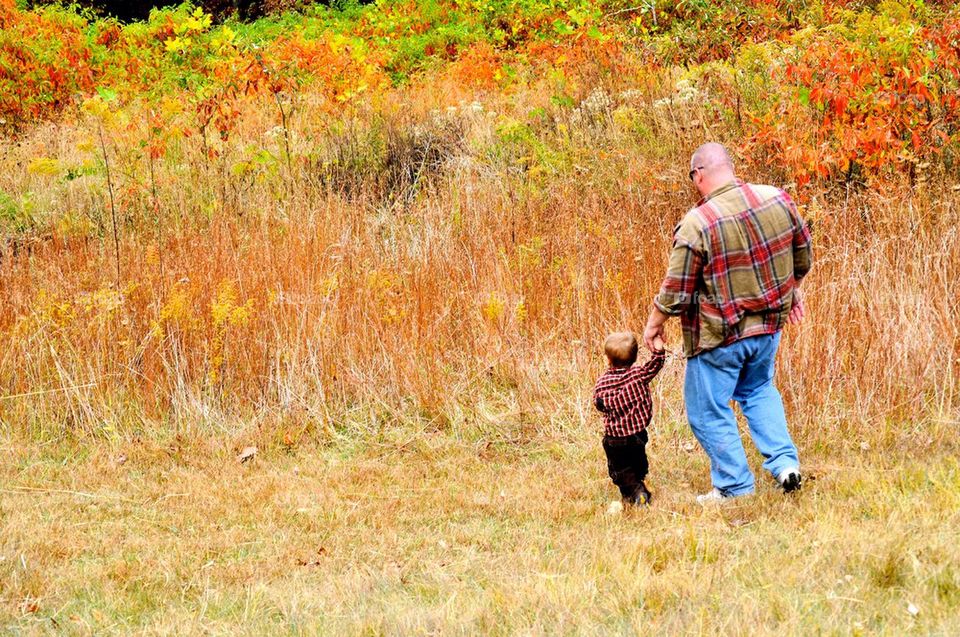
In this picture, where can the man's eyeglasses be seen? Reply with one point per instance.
(694, 172)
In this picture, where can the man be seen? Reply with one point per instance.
(732, 279)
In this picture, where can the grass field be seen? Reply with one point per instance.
(383, 242)
(420, 532)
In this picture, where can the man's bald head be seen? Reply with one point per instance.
(711, 155)
(711, 167)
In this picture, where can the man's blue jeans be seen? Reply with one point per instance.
(742, 371)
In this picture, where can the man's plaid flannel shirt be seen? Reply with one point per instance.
(622, 395)
(736, 261)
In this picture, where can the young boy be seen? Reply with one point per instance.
(622, 395)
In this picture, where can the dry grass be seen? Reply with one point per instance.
(417, 262)
(419, 532)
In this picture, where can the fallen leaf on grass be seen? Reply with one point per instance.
(313, 561)
(29, 605)
(247, 454)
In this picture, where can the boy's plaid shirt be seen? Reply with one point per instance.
(736, 261)
(622, 395)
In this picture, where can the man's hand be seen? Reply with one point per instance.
(796, 312)
(653, 332)
(653, 337)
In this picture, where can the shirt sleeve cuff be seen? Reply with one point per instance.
(671, 308)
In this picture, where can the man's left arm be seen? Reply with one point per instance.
(802, 257)
(802, 240)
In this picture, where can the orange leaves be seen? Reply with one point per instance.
(109, 36)
(477, 66)
(339, 66)
(864, 100)
(44, 61)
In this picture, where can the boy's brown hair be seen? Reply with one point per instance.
(621, 349)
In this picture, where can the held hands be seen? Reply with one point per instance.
(653, 332)
(653, 337)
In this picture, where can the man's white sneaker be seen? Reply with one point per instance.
(713, 497)
(790, 479)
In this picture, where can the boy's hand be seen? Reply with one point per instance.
(796, 312)
(658, 344)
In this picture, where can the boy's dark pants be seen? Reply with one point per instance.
(627, 462)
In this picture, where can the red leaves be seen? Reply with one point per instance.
(109, 36)
(865, 101)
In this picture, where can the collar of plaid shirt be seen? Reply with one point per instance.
(720, 190)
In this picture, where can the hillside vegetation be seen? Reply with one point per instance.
(383, 243)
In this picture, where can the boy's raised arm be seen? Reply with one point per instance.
(653, 366)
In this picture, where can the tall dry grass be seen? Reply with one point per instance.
(433, 257)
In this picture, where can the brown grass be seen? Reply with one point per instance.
(419, 260)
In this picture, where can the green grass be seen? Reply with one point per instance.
(455, 534)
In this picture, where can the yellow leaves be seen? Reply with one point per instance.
(346, 96)
(196, 22)
(381, 281)
(55, 311)
(225, 310)
(386, 288)
(338, 43)
(625, 117)
(74, 224)
(393, 315)
(493, 308)
(86, 145)
(520, 312)
(329, 285)
(97, 107)
(44, 166)
(177, 44)
(103, 302)
(156, 329)
(530, 253)
(613, 281)
(193, 24)
(170, 107)
(175, 311)
(104, 107)
(225, 38)
(152, 257)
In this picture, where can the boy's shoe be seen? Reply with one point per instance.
(790, 479)
(714, 496)
(640, 497)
